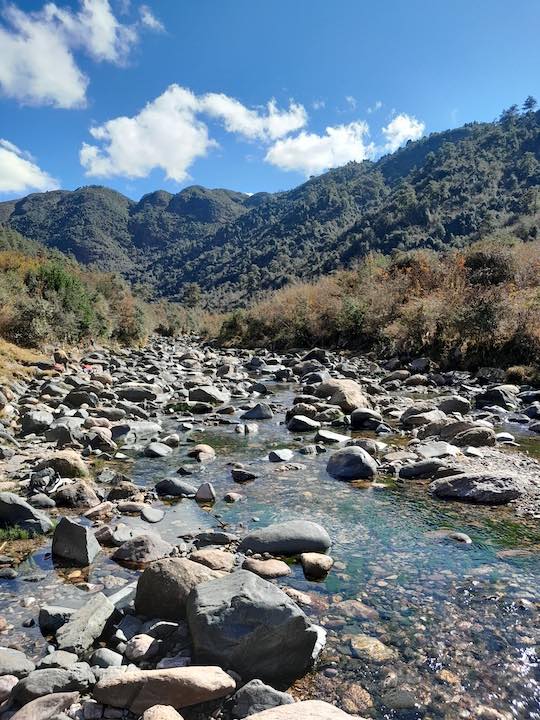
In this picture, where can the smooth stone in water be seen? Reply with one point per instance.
(287, 538)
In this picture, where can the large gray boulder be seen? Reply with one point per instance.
(163, 588)
(352, 463)
(74, 542)
(249, 625)
(16, 512)
(287, 538)
(478, 488)
(85, 625)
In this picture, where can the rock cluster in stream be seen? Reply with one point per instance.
(206, 630)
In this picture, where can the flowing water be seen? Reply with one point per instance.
(461, 620)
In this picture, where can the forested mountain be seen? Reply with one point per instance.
(446, 189)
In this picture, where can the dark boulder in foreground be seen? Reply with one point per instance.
(288, 538)
(247, 624)
(478, 488)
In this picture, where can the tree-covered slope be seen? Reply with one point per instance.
(446, 189)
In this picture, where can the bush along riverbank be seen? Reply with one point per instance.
(47, 298)
(465, 308)
(143, 563)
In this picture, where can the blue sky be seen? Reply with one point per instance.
(246, 94)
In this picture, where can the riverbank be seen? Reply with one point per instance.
(412, 553)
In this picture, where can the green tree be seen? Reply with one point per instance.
(530, 104)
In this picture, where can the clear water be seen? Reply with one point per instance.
(470, 610)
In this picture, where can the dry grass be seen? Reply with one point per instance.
(16, 361)
(478, 306)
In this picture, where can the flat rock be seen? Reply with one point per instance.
(178, 687)
(478, 488)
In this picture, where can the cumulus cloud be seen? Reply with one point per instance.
(170, 134)
(310, 153)
(38, 64)
(401, 129)
(19, 172)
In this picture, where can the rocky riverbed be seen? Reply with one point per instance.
(224, 534)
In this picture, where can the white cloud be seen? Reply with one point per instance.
(237, 118)
(38, 64)
(351, 102)
(310, 153)
(150, 20)
(401, 129)
(19, 173)
(319, 104)
(170, 134)
(166, 134)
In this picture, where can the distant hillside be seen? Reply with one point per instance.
(447, 189)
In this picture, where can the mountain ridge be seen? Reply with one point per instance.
(446, 189)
